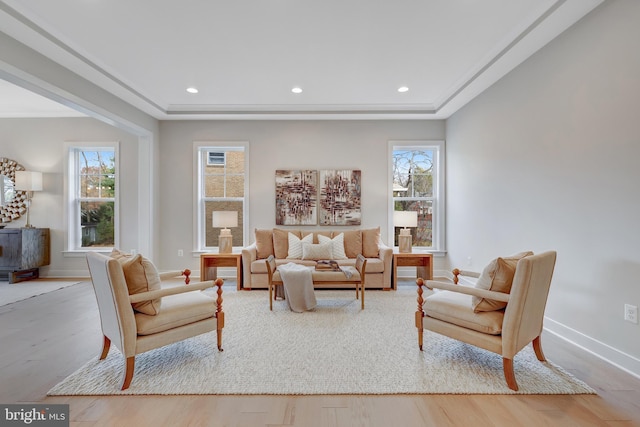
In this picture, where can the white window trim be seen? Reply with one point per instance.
(71, 246)
(438, 226)
(199, 222)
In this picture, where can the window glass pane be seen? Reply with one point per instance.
(413, 173)
(211, 233)
(97, 223)
(422, 235)
(235, 186)
(235, 162)
(214, 186)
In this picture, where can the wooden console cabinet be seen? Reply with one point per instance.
(22, 252)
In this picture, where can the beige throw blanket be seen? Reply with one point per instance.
(298, 287)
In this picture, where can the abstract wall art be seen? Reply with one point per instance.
(296, 197)
(340, 192)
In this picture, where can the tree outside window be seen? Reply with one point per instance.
(413, 190)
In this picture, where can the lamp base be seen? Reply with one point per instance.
(225, 243)
(404, 243)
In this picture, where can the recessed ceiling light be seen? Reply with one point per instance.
(296, 90)
(192, 90)
(403, 89)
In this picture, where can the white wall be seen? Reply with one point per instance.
(549, 158)
(38, 144)
(278, 145)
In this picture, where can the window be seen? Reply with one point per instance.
(417, 171)
(92, 201)
(222, 185)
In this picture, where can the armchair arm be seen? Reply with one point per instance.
(173, 274)
(481, 293)
(149, 295)
(457, 272)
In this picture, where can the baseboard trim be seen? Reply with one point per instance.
(613, 356)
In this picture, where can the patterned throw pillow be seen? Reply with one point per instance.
(337, 245)
(317, 251)
(295, 245)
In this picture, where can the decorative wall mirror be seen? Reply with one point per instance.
(12, 202)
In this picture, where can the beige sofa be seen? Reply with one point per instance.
(308, 246)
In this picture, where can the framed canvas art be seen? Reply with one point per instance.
(340, 192)
(296, 197)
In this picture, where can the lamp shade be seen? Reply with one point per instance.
(28, 181)
(405, 218)
(224, 219)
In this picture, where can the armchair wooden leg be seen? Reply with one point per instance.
(106, 344)
(220, 318)
(420, 312)
(270, 297)
(537, 347)
(509, 374)
(362, 296)
(128, 372)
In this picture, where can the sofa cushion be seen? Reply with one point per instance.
(281, 242)
(370, 240)
(337, 245)
(352, 243)
(497, 276)
(264, 243)
(317, 251)
(295, 245)
(455, 308)
(141, 276)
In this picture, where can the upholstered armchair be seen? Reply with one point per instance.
(502, 314)
(138, 315)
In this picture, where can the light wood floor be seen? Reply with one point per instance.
(45, 338)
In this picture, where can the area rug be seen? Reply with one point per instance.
(14, 292)
(335, 349)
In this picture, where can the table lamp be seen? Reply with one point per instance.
(28, 181)
(224, 219)
(405, 219)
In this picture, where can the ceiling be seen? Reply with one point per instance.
(349, 57)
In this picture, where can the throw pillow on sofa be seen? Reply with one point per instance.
(264, 243)
(370, 241)
(317, 251)
(295, 245)
(337, 245)
(497, 276)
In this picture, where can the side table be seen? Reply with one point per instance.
(423, 262)
(210, 262)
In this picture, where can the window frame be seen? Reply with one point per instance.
(200, 149)
(438, 198)
(73, 240)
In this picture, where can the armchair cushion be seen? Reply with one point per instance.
(141, 276)
(177, 310)
(456, 308)
(497, 276)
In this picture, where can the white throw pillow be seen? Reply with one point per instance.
(295, 245)
(337, 245)
(317, 251)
